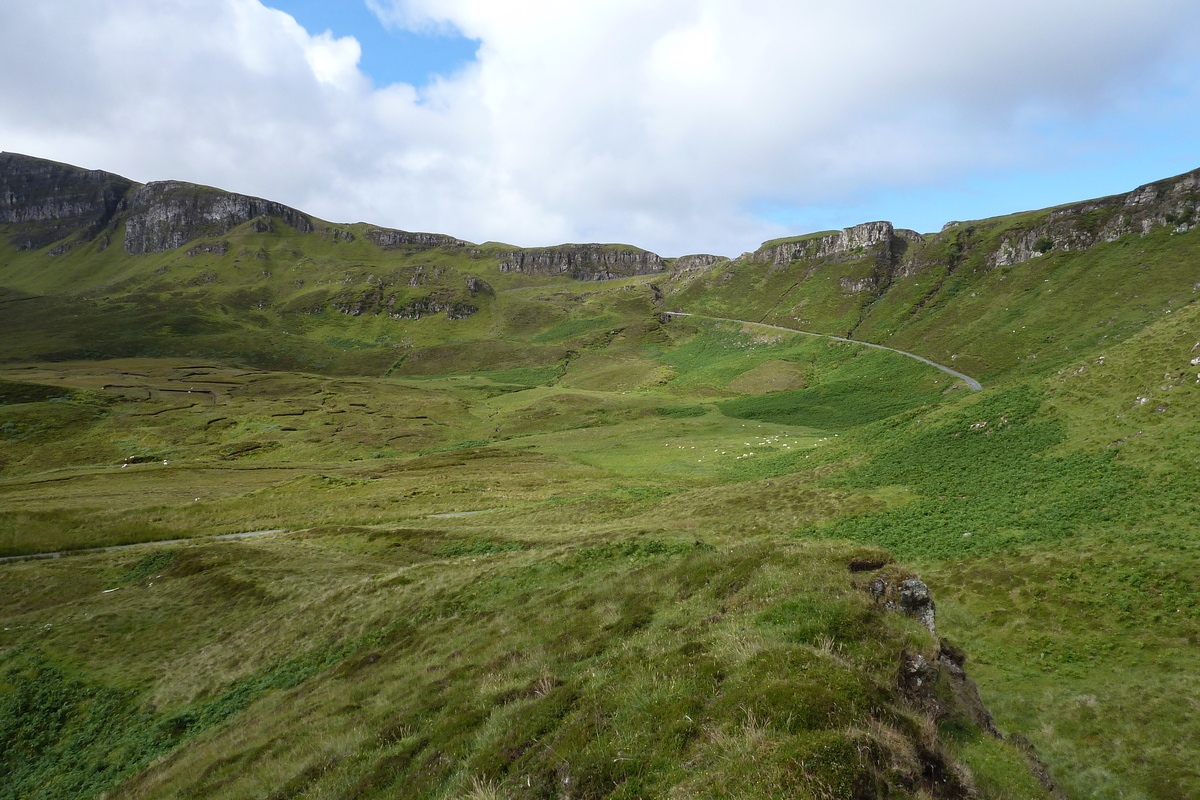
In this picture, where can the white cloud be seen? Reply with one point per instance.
(661, 123)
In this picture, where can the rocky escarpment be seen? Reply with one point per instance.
(695, 262)
(848, 241)
(167, 214)
(1174, 202)
(585, 262)
(47, 201)
(387, 237)
(50, 203)
(885, 247)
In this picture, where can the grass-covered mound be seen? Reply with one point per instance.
(633, 668)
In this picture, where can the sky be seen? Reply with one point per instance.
(681, 126)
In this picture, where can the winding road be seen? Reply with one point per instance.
(969, 381)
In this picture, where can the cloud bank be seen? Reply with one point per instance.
(678, 125)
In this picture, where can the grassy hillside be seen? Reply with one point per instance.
(1024, 294)
(564, 546)
(549, 646)
(440, 667)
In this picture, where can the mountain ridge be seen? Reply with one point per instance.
(60, 206)
(164, 215)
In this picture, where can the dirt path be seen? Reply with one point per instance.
(969, 381)
(138, 544)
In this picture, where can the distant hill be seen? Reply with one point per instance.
(232, 273)
(171, 268)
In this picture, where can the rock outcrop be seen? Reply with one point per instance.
(388, 237)
(375, 302)
(917, 602)
(936, 682)
(585, 262)
(885, 247)
(45, 204)
(695, 262)
(215, 248)
(167, 214)
(49, 202)
(909, 596)
(853, 240)
(1174, 202)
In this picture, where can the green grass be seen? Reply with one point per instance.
(608, 665)
(590, 561)
(642, 586)
(574, 328)
(987, 482)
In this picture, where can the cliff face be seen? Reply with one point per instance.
(48, 201)
(832, 245)
(169, 214)
(387, 237)
(1115, 262)
(885, 248)
(585, 262)
(984, 244)
(1174, 202)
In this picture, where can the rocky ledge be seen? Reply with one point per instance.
(856, 239)
(388, 237)
(167, 214)
(585, 262)
(1174, 202)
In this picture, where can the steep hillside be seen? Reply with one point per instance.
(1022, 294)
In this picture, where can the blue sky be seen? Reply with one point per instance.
(389, 54)
(676, 125)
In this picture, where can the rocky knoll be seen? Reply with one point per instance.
(585, 262)
(167, 214)
(939, 686)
